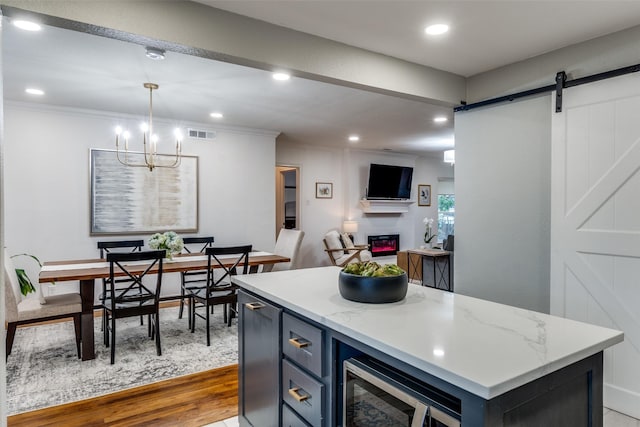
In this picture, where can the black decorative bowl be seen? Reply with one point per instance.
(373, 290)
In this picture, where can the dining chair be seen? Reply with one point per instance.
(287, 245)
(111, 246)
(23, 311)
(192, 278)
(136, 299)
(219, 289)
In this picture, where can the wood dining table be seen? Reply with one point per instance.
(87, 271)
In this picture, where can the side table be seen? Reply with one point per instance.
(431, 267)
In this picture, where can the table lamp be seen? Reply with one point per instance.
(350, 227)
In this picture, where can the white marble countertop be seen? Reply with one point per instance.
(480, 346)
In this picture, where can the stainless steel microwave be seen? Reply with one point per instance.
(374, 395)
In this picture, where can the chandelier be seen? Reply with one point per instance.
(150, 154)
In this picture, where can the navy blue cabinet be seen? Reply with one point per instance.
(259, 357)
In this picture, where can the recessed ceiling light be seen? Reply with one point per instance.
(354, 138)
(436, 29)
(281, 76)
(440, 119)
(155, 54)
(216, 115)
(34, 91)
(27, 25)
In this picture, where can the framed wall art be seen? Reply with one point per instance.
(324, 190)
(424, 195)
(134, 200)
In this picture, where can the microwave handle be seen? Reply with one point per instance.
(419, 415)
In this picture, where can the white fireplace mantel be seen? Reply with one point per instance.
(385, 206)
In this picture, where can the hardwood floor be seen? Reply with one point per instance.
(189, 401)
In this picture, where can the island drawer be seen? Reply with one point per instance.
(304, 394)
(290, 418)
(302, 343)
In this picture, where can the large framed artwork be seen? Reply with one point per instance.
(134, 200)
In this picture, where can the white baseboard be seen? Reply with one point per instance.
(622, 400)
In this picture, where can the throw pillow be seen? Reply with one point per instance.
(348, 243)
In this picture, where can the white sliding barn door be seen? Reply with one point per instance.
(595, 223)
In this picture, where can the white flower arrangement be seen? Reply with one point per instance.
(428, 234)
(169, 241)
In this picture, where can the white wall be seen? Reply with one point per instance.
(370, 224)
(430, 170)
(348, 171)
(317, 216)
(503, 203)
(47, 189)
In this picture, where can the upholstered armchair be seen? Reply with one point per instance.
(24, 311)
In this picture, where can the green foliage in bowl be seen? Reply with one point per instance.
(373, 269)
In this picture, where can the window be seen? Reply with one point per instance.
(446, 215)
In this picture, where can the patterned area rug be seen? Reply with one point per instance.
(44, 370)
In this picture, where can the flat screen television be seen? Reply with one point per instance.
(389, 182)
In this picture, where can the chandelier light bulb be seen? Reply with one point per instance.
(126, 135)
(154, 144)
(144, 127)
(118, 130)
(179, 137)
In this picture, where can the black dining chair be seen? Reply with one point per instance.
(119, 246)
(193, 278)
(219, 289)
(136, 299)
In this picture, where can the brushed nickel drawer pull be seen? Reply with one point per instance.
(297, 396)
(254, 305)
(297, 343)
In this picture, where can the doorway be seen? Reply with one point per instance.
(287, 198)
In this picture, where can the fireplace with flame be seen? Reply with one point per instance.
(384, 244)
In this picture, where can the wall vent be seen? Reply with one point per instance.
(201, 134)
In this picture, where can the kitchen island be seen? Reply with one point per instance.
(495, 364)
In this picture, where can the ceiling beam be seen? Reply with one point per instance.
(200, 30)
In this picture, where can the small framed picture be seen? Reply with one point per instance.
(424, 195)
(324, 190)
